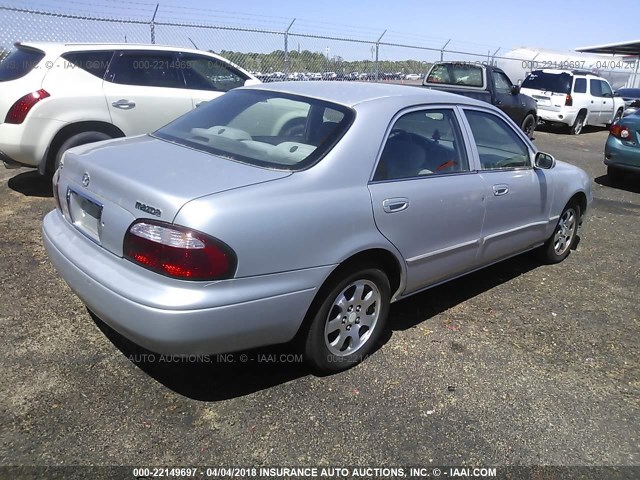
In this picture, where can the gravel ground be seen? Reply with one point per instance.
(519, 364)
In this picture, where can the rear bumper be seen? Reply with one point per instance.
(190, 318)
(622, 166)
(26, 144)
(554, 116)
(622, 156)
(9, 162)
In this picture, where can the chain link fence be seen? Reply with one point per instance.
(284, 49)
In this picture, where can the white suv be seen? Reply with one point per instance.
(573, 97)
(57, 96)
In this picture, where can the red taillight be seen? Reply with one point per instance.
(568, 101)
(178, 252)
(620, 131)
(19, 110)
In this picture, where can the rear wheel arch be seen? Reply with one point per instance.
(374, 257)
(585, 114)
(69, 131)
(580, 121)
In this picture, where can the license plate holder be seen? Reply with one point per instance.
(85, 213)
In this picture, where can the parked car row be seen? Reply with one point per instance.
(576, 98)
(351, 76)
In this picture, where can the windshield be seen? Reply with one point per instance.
(18, 63)
(548, 82)
(262, 128)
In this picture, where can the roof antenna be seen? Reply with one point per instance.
(193, 43)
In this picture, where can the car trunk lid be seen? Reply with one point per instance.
(106, 185)
(144, 171)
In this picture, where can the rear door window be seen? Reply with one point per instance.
(594, 86)
(95, 63)
(580, 86)
(423, 143)
(207, 73)
(19, 63)
(147, 69)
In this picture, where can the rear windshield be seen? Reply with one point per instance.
(549, 82)
(18, 63)
(463, 74)
(262, 128)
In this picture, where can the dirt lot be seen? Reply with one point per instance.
(519, 364)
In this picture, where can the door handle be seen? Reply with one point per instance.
(392, 205)
(199, 104)
(124, 104)
(499, 190)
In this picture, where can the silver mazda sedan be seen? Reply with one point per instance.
(301, 210)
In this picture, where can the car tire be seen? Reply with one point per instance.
(617, 117)
(357, 305)
(558, 246)
(614, 174)
(75, 141)
(529, 125)
(578, 125)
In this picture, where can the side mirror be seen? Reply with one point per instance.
(250, 81)
(515, 89)
(544, 160)
(616, 94)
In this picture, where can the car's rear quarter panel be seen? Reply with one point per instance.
(315, 217)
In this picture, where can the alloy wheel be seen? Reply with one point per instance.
(565, 232)
(352, 318)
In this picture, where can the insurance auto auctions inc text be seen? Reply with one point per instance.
(350, 472)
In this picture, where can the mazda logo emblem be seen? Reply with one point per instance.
(85, 180)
